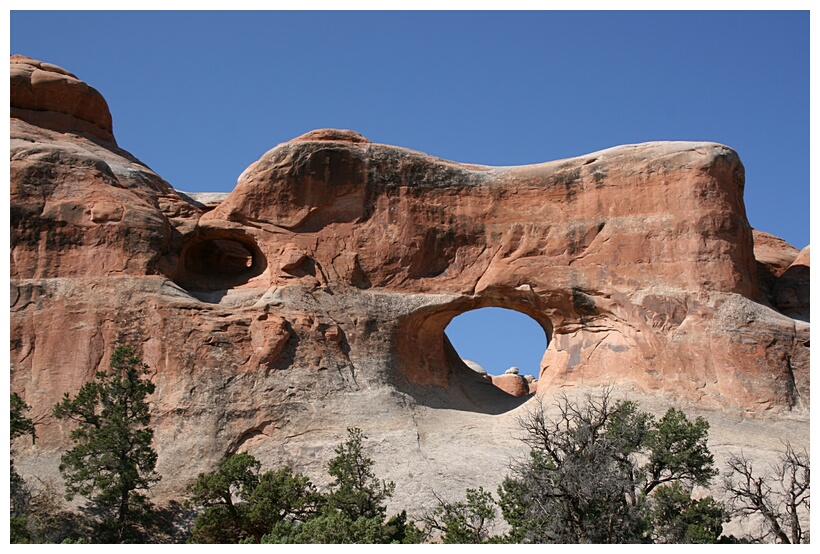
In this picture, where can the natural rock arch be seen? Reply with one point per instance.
(435, 374)
(315, 295)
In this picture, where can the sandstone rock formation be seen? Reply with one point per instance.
(512, 383)
(52, 97)
(478, 369)
(783, 272)
(316, 294)
(774, 256)
(791, 290)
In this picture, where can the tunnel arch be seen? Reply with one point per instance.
(428, 366)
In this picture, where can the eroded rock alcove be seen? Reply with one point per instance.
(315, 295)
(219, 260)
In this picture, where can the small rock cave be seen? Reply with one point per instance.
(219, 260)
(431, 369)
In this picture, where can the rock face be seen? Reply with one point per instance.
(315, 295)
(791, 290)
(783, 272)
(80, 206)
(774, 256)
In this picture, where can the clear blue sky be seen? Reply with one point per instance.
(199, 96)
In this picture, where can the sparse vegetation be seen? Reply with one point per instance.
(467, 522)
(598, 470)
(602, 471)
(241, 506)
(353, 510)
(37, 513)
(779, 498)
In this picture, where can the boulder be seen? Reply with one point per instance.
(512, 384)
(291, 258)
(478, 369)
(475, 367)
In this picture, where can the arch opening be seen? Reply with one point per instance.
(431, 368)
(503, 345)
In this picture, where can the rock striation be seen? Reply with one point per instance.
(315, 295)
(54, 98)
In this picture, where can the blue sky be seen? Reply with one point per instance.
(199, 96)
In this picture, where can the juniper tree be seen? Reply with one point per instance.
(112, 462)
(355, 490)
(240, 505)
(19, 424)
(467, 522)
(593, 472)
(353, 510)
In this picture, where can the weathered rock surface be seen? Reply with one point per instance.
(791, 290)
(774, 256)
(478, 369)
(80, 206)
(54, 98)
(512, 384)
(783, 271)
(315, 296)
